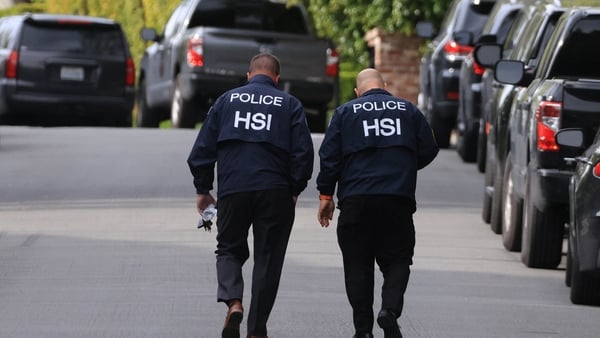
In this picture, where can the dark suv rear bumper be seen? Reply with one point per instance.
(550, 187)
(50, 108)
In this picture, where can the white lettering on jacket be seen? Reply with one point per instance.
(383, 127)
(260, 99)
(379, 105)
(254, 121)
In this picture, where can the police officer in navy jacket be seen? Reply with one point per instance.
(372, 150)
(258, 136)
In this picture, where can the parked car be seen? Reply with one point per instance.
(583, 267)
(564, 93)
(205, 50)
(440, 65)
(65, 70)
(525, 41)
(495, 30)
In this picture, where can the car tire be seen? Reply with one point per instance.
(183, 112)
(496, 202)
(486, 211)
(585, 285)
(441, 130)
(317, 123)
(543, 233)
(513, 211)
(481, 147)
(569, 265)
(466, 144)
(146, 117)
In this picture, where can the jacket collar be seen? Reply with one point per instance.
(264, 79)
(376, 91)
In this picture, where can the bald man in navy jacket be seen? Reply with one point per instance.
(372, 150)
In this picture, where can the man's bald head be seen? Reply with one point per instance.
(368, 79)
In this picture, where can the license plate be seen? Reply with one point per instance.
(71, 73)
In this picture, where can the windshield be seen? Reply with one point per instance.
(89, 39)
(265, 16)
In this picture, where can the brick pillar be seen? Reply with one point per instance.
(397, 58)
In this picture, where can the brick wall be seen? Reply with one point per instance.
(396, 56)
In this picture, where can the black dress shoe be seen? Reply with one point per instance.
(386, 319)
(363, 335)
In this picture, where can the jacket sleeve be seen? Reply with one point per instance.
(302, 151)
(203, 156)
(331, 158)
(427, 148)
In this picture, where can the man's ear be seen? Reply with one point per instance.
(356, 92)
(276, 79)
(247, 75)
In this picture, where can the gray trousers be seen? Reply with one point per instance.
(271, 214)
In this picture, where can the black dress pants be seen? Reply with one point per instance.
(271, 214)
(375, 229)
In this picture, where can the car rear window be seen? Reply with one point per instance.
(87, 39)
(475, 17)
(265, 16)
(578, 58)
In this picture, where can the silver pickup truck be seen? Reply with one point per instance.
(205, 50)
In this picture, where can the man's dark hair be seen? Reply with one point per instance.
(265, 62)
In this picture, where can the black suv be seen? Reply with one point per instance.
(65, 70)
(564, 92)
(469, 106)
(440, 65)
(525, 42)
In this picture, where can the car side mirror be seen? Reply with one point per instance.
(570, 137)
(509, 71)
(487, 54)
(149, 34)
(425, 29)
(463, 38)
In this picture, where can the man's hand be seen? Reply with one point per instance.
(203, 201)
(325, 214)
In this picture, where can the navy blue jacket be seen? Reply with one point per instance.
(258, 136)
(374, 145)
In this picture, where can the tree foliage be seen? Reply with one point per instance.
(347, 21)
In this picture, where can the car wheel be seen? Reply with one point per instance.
(486, 212)
(467, 144)
(513, 211)
(317, 123)
(146, 117)
(585, 285)
(496, 213)
(543, 232)
(441, 130)
(481, 146)
(182, 110)
(569, 265)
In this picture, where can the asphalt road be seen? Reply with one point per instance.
(98, 239)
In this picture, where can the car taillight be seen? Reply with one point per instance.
(332, 62)
(477, 69)
(454, 49)
(596, 171)
(195, 52)
(130, 72)
(452, 95)
(12, 63)
(547, 116)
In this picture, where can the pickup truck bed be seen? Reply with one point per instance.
(190, 65)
